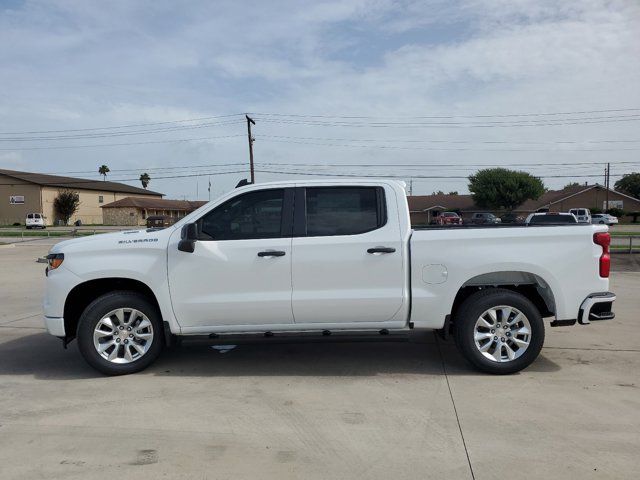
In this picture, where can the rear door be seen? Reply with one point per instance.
(347, 255)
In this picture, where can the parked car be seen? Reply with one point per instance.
(583, 215)
(34, 220)
(551, 218)
(511, 218)
(318, 257)
(448, 218)
(603, 219)
(159, 221)
(484, 217)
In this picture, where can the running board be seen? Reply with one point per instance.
(327, 336)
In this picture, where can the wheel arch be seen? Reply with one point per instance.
(84, 293)
(528, 284)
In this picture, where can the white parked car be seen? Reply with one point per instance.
(603, 219)
(34, 220)
(583, 215)
(322, 257)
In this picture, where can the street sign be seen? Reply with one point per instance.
(16, 199)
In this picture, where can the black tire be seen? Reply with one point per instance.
(102, 306)
(478, 303)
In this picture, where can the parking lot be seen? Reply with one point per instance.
(317, 410)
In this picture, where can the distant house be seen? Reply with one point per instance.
(425, 208)
(29, 192)
(134, 211)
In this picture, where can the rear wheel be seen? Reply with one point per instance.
(499, 331)
(120, 333)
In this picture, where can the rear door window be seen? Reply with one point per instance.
(30, 215)
(343, 210)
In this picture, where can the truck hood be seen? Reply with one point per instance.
(107, 241)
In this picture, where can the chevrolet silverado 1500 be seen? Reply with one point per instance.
(324, 256)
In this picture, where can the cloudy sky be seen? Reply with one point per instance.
(420, 90)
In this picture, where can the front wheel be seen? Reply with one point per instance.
(499, 331)
(120, 333)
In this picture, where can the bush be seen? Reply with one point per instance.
(66, 204)
(616, 212)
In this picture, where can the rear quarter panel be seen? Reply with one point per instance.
(564, 257)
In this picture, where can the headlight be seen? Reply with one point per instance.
(55, 260)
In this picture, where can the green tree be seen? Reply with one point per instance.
(145, 179)
(497, 188)
(455, 192)
(572, 184)
(66, 204)
(629, 184)
(103, 170)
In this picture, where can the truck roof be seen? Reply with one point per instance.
(329, 181)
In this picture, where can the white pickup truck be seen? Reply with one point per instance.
(324, 256)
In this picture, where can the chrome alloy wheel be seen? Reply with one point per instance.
(123, 335)
(502, 333)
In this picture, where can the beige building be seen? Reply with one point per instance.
(134, 211)
(27, 192)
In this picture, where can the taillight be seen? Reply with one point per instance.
(604, 240)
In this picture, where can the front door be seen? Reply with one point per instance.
(347, 258)
(240, 270)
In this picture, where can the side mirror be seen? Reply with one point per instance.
(189, 236)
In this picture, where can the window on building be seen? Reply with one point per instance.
(100, 199)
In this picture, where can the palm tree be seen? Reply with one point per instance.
(103, 170)
(145, 179)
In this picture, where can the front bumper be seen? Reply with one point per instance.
(597, 306)
(55, 326)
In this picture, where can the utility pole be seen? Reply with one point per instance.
(410, 187)
(607, 187)
(251, 139)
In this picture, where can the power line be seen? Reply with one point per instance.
(550, 123)
(292, 115)
(440, 149)
(448, 166)
(583, 112)
(81, 181)
(120, 134)
(449, 141)
(436, 177)
(117, 127)
(62, 147)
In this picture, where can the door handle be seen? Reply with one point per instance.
(381, 250)
(271, 253)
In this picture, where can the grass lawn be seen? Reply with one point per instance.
(624, 234)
